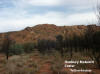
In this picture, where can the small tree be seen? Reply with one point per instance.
(60, 43)
(28, 47)
(96, 48)
(6, 45)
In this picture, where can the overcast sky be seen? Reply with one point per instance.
(18, 14)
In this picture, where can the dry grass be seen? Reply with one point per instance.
(36, 63)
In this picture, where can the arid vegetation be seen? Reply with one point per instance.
(47, 55)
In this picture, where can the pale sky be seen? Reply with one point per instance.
(18, 14)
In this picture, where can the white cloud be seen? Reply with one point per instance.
(16, 18)
(82, 18)
(44, 2)
(85, 3)
(51, 18)
(75, 3)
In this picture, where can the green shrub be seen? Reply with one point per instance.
(16, 49)
(28, 47)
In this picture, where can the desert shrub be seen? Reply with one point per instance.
(0, 48)
(3, 62)
(45, 46)
(34, 67)
(57, 68)
(56, 54)
(28, 47)
(16, 49)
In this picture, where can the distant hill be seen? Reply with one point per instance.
(46, 31)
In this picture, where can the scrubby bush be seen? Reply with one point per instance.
(16, 49)
(57, 68)
(28, 47)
